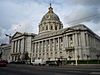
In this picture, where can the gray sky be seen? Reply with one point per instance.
(25, 15)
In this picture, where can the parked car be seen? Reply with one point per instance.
(51, 63)
(3, 63)
(38, 62)
(17, 62)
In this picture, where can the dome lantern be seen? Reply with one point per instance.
(50, 9)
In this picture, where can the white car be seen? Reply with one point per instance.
(38, 62)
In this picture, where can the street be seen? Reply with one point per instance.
(18, 69)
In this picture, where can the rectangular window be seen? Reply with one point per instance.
(86, 39)
(70, 40)
(78, 39)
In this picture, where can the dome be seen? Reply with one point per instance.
(50, 22)
(50, 15)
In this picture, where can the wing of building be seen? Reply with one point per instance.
(54, 42)
(5, 51)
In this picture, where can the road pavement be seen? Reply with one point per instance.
(18, 69)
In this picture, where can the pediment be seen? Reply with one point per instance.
(17, 34)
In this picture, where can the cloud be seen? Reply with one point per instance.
(3, 38)
(82, 14)
(84, 2)
(86, 12)
(21, 17)
(25, 15)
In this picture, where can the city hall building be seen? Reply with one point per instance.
(54, 42)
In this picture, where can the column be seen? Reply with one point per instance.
(54, 44)
(24, 44)
(49, 45)
(12, 50)
(66, 44)
(42, 50)
(15, 47)
(45, 52)
(87, 39)
(49, 48)
(76, 45)
(12, 47)
(83, 39)
(35, 49)
(59, 49)
(58, 44)
(39, 49)
(20, 45)
(76, 40)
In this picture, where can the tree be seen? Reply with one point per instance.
(87, 58)
(78, 57)
(25, 57)
(69, 57)
(98, 57)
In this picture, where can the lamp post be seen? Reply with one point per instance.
(9, 38)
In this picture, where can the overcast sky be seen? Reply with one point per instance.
(25, 15)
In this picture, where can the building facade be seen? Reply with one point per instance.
(5, 50)
(54, 42)
(20, 44)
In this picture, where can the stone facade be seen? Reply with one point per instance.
(5, 49)
(54, 42)
(21, 43)
(73, 43)
(70, 43)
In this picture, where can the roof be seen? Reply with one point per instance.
(79, 27)
(50, 15)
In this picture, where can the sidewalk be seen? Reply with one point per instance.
(92, 66)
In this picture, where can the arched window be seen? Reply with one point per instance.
(55, 27)
(51, 27)
(46, 27)
(42, 28)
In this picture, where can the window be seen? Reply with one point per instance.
(46, 27)
(55, 52)
(70, 37)
(42, 28)
(86, 39)
(61, 39)
(55, 27)
(56, 40)
(51, 27)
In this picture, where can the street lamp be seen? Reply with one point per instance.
(9, 38)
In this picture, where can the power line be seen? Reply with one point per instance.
(85, 18)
